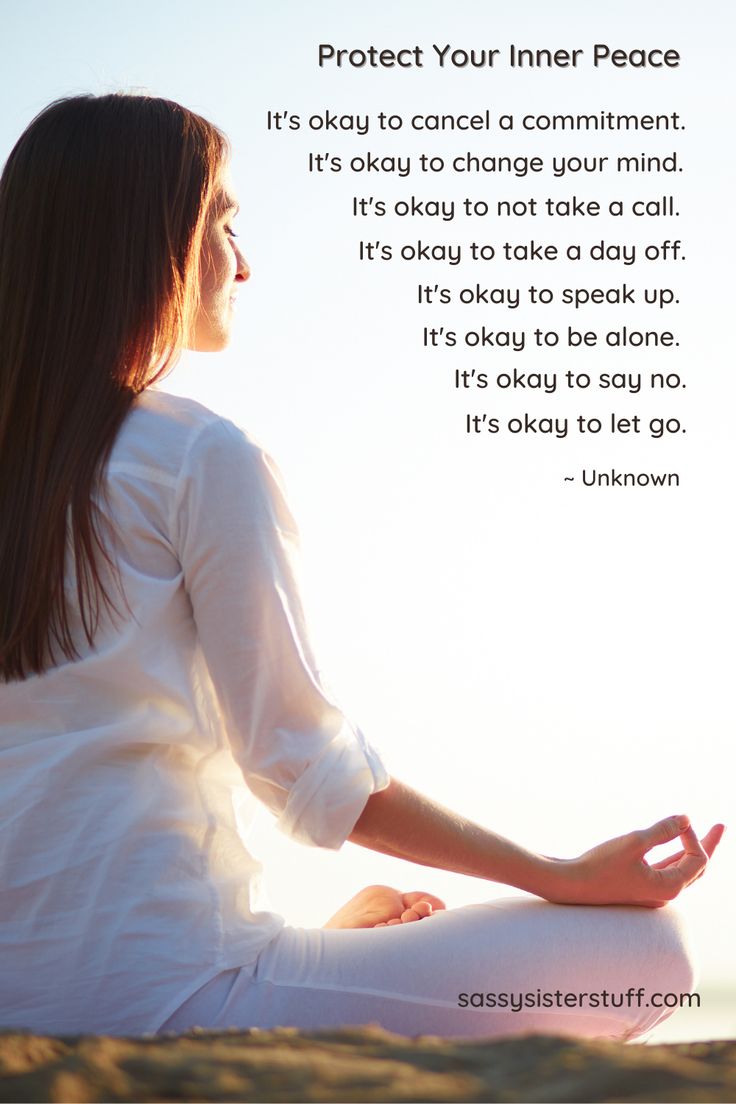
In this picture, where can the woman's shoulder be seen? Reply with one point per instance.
(166, 411)
(162, 429)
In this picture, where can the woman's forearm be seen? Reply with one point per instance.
(399, 821)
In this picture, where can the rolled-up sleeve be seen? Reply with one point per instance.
(237, 543)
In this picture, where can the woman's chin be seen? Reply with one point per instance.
(213, 342)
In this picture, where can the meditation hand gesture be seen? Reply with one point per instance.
(617, 873)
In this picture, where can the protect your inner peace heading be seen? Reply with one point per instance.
(450, 57)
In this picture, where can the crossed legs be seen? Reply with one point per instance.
(410, 978)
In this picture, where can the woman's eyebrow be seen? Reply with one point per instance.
(230, 204)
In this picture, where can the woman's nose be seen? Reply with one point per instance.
(243, 270)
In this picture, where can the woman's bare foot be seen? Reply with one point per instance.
(378, 906)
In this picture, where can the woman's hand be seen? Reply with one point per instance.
(616, 872)
(378, 906)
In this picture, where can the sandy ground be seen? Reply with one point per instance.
(358, 1064)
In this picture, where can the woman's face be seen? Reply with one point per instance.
(222, 269)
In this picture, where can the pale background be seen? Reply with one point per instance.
(551, 660)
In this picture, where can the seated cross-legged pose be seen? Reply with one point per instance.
(157, 677)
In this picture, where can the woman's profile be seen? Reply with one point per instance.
(157, 677)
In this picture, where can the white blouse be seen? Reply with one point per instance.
(126, 777)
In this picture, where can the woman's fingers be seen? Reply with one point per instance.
(712, 838)
(693, 862)
(671, 875)
(678, 873)
(709, 842)
(662, 832)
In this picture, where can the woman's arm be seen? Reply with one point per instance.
(401, 822)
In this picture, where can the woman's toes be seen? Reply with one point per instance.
(422, 908)
(412, 899)
(394, 921)
(408, 915)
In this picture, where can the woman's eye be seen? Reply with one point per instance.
(229, 230)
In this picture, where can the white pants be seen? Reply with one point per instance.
(435, 976)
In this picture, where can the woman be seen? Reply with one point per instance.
(128, 900)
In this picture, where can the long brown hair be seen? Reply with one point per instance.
(102, 208)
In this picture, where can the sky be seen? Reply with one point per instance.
(552, 660)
